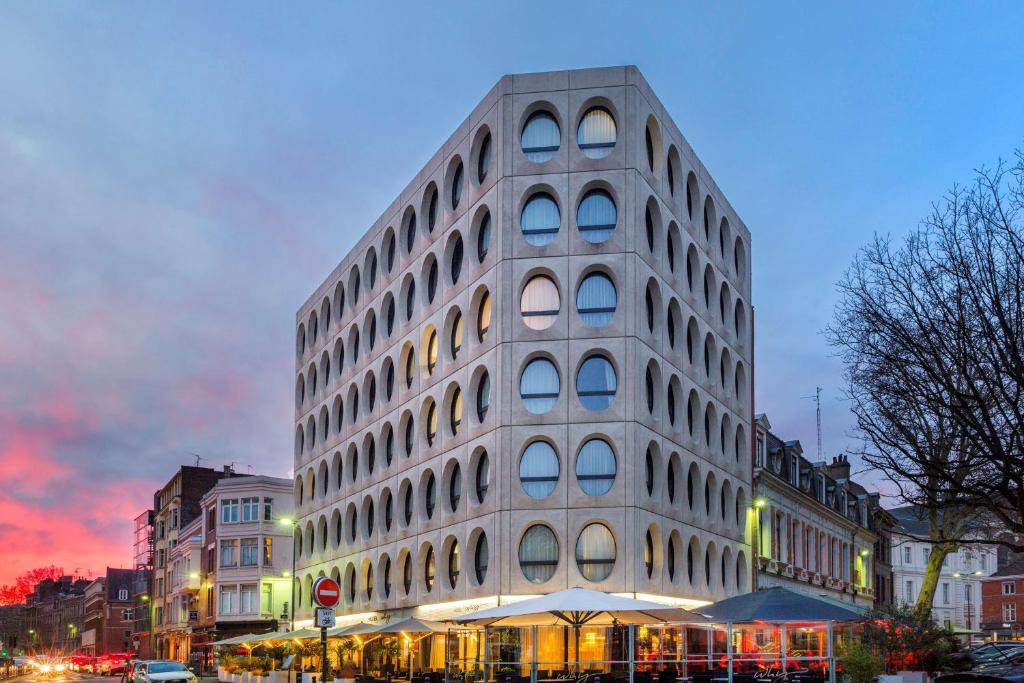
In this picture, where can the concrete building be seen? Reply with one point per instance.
(533, 370)
(109, 613)
(816, 528)
(184, 582)
(13, 630)
(1002, 601)
(174, 506)
(957, 595)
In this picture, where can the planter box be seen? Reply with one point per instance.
(222, 675)
(914, 676)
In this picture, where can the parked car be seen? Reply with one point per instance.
(162, 671)
(986, 653)
(113, 664)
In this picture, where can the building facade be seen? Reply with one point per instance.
(55, 615)
(13, 630)
(248, 561)
(533, 371)
(815, 528)
(1002, 601)
(143, 543)
(174, 506)
(957, 598)
(109, 613)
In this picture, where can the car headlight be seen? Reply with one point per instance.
(45, 668)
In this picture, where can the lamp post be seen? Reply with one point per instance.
(287, 521)
(759, 503)
(968, 612)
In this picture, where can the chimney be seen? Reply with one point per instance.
(839, 469)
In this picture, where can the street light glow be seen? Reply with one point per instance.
(760, 502)
(286, 521)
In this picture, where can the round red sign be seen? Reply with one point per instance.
(326, 592)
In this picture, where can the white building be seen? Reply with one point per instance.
(533, 371)
(250, 551)
(957, 602)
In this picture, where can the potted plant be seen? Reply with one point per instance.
(389, 652)
(860, 664)
(346, 668)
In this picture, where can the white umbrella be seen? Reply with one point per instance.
(579, 607)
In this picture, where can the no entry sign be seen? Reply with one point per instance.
(326, 592)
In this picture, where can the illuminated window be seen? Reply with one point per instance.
(596, 133)
(595, 552)
(541, 137)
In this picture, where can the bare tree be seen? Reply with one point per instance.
(931, 334)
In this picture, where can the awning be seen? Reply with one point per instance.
(237, 640)
(413, 625)
(578, 607)
(779, 604)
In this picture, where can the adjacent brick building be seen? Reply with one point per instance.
(1002, 601)
(109, 613)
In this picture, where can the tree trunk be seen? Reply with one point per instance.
(923, 606)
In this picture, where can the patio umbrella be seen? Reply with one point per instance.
(578, 607)
(779, 604)
(235, 640)
(423, 627)
(351, 630)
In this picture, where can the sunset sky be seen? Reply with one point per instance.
(176, 178)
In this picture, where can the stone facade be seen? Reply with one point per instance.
(816, 527)
(533, 371)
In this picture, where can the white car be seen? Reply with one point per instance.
(160, 671)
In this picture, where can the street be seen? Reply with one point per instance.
(67, 677)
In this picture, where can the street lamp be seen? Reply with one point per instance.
(288, 521)
(759, 504)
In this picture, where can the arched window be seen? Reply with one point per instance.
(540, 303)
(540, 220)
(431, 423)
(538, 554)
(432, 352)
(595, 467)
(457, 187)
(481, 557)
(670, 558)
(410, 233)
(407, 574)
(596, 133)
(483, 159)
(430, 496)
(455, 265)
(432, 212)
(596, 383)
(649, 554)
(455, 488)
(429, 569)
(539, 386)
(386, 575)
(596, 216)
(483, 396)
(538, 470)
(483, 477)
(649, 472)
(407, 506)
(596, 300)
(595, 552)
(454, 564)
(389, 252)
(483, 237)
(455, 418)
(432, 282)
(410, 300)
(541, 137)
(483, 317)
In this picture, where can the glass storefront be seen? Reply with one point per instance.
(705, 653)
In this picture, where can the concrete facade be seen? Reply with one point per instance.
(411, 433)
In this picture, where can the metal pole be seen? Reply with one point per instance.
(728, 650)
(831, 659)
(291, 614)
(533, 654)
(323, 654)
(632, 654)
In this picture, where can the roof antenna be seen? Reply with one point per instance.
(817, 402)
(198, 458)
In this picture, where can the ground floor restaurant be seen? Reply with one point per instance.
(695, 653)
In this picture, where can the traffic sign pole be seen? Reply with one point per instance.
(323, 654)
(326, 593)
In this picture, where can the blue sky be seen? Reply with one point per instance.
(176, 179)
